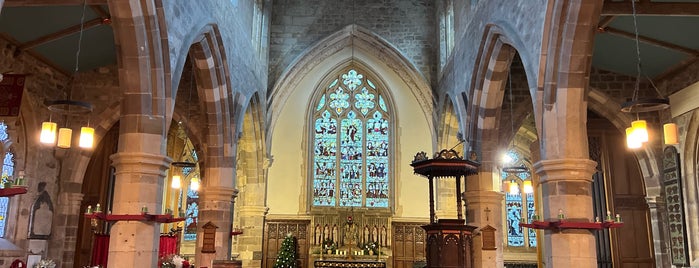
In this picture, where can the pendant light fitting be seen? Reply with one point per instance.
(637, 134)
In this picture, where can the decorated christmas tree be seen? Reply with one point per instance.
(287, 254)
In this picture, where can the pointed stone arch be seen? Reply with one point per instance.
(212, 133)
(350, 36)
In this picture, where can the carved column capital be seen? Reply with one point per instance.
(569, 169)
(138, 162)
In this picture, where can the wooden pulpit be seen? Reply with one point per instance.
(449, 241)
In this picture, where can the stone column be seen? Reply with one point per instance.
(138, 183)
(215, 203)
(485, 208)
(252, 220)
(658, 219)
(566, 186)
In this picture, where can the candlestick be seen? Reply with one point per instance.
(89, 209)
(561, 215)
(618, 218)
(98, 209)
(609, 216)
(597, 219)
(144, 210)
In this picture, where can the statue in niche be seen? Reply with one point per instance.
(335, 236)
(351, 234)
(42, 215)
(318, 235)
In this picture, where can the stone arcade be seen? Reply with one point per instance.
(302, 117)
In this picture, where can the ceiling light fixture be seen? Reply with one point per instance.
(509, 167)
(69, 108)
(637, 134)
(181, 166)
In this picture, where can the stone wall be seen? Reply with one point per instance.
(408, 25)
(44, 163)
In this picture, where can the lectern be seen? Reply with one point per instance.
(449, 241)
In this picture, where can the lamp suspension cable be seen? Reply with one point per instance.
(181, 165)
(637, 134)
(69, 107)
(510, 167)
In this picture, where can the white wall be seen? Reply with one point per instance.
(287, 179)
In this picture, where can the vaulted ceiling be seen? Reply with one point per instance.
(667, 31)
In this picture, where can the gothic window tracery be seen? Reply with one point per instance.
(519, 204)
(351, 144)
(8, 168)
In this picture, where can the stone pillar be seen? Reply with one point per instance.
(485, 208)
(138, 183)
(215, 203)
(658, 219)
(566, 186)
(65, 230)
(249, 244)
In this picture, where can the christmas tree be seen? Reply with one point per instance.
(287, 254)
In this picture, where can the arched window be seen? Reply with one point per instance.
(351, 134)
(8, 169)
(519, 203)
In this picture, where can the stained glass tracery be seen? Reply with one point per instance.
(357, 176)
(519, 206)
(8, 169)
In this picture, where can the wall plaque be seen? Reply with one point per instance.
(674, 202)
(209, 240)
(488, 235)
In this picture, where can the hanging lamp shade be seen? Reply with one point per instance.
(176, 182)
(64, 137)
(631, 141)
(640, 129)
(87, 137)
(194, 184)
(48, 133)
(513, 187)
(670, 134)
(527, 187)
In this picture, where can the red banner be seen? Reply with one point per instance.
(11, 88)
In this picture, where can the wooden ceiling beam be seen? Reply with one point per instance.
(63, 33)
(649, 40)
(605, 21)
(676, 69)
(651, 8)
(26, 3)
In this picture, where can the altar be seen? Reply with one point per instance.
(349, 263)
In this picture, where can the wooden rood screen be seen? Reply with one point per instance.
(276, 231)
(408, 244)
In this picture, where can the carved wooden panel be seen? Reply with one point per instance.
(674, 202)
(408, 244)
(276, 231)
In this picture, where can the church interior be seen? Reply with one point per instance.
(245, 133)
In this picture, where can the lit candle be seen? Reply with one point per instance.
(609, 216)
(89, 209)
(98, 209)
(144, 210)
(618, 218)
(561, 215)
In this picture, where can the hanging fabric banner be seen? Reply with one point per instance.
(11, 88)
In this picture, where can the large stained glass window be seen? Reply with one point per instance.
(519, 203)
(351, 130)
(8, 169)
